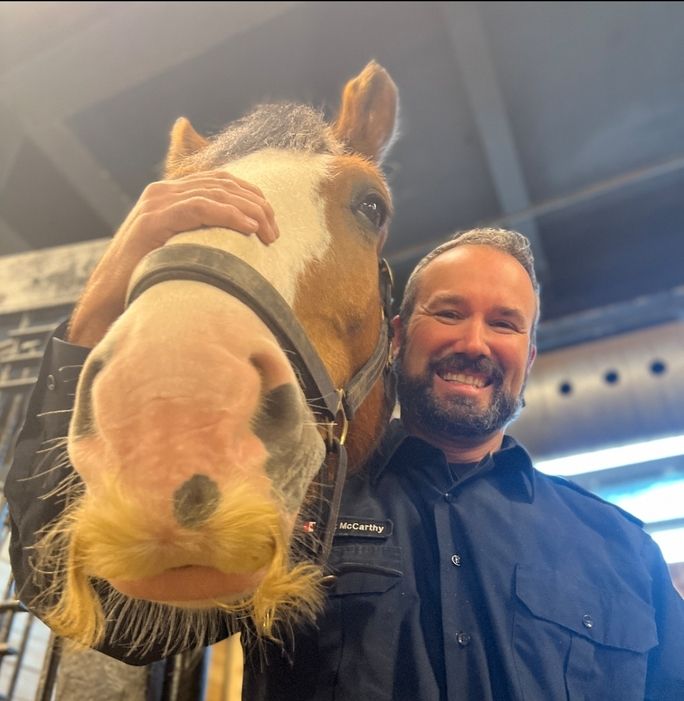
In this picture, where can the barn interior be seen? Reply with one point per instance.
(562, 120)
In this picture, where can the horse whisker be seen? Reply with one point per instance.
(54, 411)
(56, 440)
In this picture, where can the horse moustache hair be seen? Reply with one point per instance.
(196, 450)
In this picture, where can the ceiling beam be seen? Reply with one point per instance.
(11, 139)
(78, 166)
(130, 44)
(10, 144)
(10, 241)
(598, 189)
(488, 109)
(39, 95)
(621, 317)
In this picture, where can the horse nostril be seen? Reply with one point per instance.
(82, 421)
(279, 414)
(195, 501)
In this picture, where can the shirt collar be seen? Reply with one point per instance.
(515, 468)
(511, 462)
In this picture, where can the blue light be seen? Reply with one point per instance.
(671, 544)
(609, 458)
(651, 501)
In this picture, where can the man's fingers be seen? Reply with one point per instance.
(252, 205)
(200, 212)
(161, 195)
(220, 176)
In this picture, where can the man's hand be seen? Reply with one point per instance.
(166, 208)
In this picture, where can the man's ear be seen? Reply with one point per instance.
(532, 356)
(397, 335)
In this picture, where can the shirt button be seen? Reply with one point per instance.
(456, 560)
(587, 621)
(463, 639)
(51, 384)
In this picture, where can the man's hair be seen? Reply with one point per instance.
(505, 240)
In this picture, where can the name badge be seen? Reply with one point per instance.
(363, 527)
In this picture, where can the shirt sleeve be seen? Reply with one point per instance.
(665, 679)
(39, 463)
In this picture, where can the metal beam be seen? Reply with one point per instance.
(131, 43)
(489, 112)
(40, 94)
(10, 143)
(610, 320)
(10, 241)
(78, 166)
(556, 204)
(47, 277)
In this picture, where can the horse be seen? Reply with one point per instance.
(211, 420)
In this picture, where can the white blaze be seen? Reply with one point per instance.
(291, 183)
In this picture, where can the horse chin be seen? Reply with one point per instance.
(193, 586)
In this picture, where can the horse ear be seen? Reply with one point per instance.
(184, 142)
(368, 116)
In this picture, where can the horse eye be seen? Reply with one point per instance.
(373, 207)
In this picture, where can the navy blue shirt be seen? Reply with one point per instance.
(487, 582)
(492, 583)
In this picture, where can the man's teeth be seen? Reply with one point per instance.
(464, 379)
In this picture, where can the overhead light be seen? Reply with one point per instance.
(608, 458)
(651, 501)
(671, 544)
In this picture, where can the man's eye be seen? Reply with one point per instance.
(373, 207)
(447, 314)
(505, 325)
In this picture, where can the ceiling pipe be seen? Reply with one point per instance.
(613, 391)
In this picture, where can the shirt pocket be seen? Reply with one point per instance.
(365, 568)
(578, 642)
(359, 633)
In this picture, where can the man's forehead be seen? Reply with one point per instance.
(468, 254)
(452, 271)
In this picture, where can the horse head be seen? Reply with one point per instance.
(196, 446)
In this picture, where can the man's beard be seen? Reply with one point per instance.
(456, 416)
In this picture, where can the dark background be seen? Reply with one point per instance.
(564, 120)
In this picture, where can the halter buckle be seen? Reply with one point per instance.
(332, 442)
(345, 420)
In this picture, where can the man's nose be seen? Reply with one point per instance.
(473, 339)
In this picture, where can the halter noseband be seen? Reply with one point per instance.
(334, 406)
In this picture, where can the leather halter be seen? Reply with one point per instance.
(333, 406)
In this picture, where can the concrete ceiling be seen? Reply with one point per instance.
(565, 120)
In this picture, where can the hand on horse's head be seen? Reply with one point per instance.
(166, 208)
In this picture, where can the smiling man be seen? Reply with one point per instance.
(475, 577)
(465, 342)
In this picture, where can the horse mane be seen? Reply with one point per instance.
(284, 125)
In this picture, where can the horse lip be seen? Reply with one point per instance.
(190, 583)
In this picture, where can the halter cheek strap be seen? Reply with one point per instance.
(334, 406)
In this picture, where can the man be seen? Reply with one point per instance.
(482, 578)
(462, 573)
